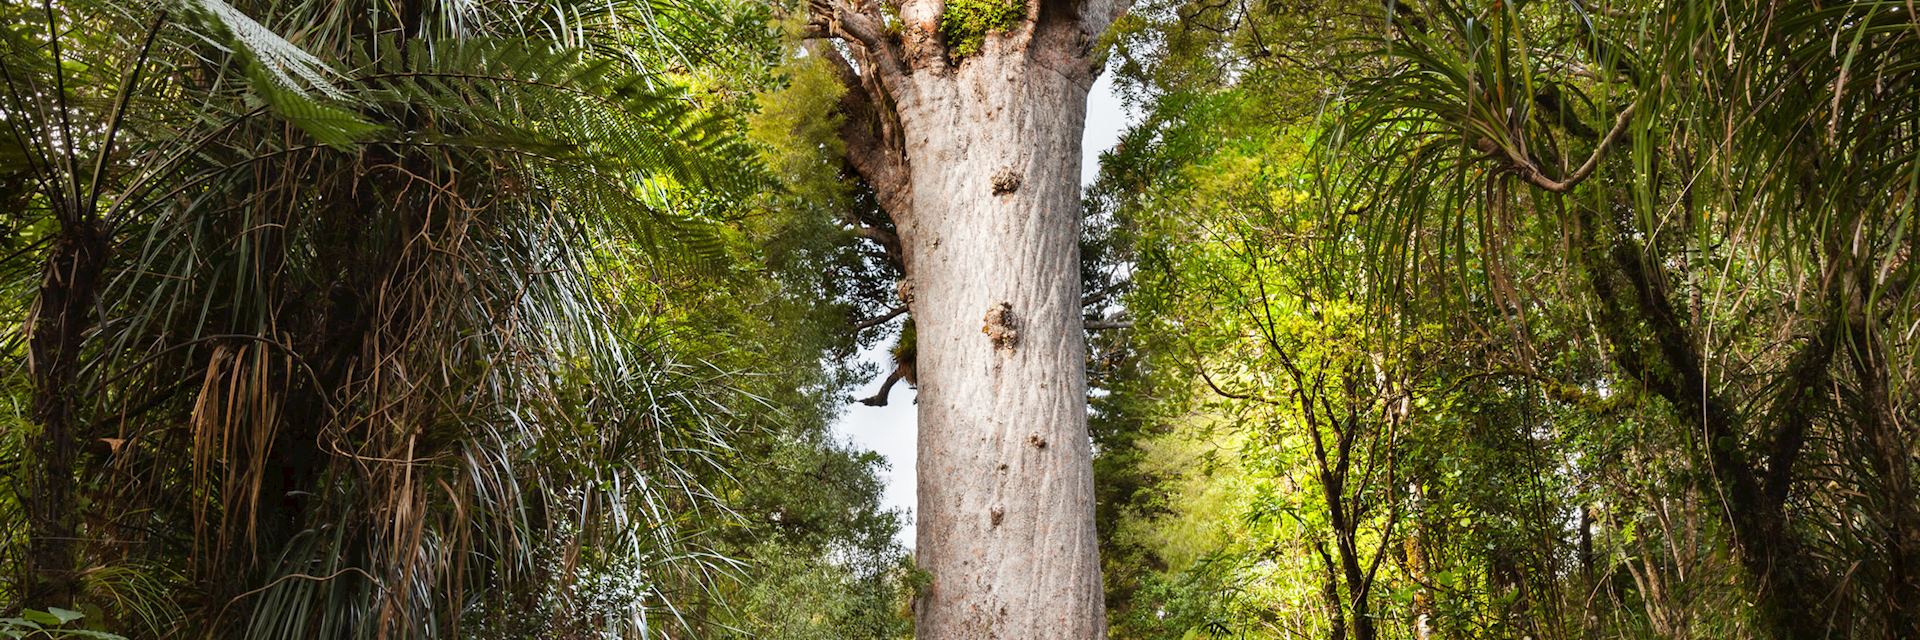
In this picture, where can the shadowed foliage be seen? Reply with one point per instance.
(371, 319)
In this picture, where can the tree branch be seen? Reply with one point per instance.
(1097, 15)
(864, 29)
(872, 135)
(1801, 387)
(885, 238)
(1200, 367)
(881, 319)
(1527, 169)
(879, 399)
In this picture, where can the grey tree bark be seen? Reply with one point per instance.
(976, 157)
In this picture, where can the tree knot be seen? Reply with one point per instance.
(1006, 181)
(904, 289)
(1000, 327)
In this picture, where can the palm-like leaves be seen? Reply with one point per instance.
(356, 283)
(1736, 183)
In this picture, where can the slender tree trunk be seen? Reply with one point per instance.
(973, 147)
(1358, 586)
(1664, 359)
(63, 313)
(1345, 524)
(1330, 591)
(1419, 570)
(1586, 544)
(1885, 451)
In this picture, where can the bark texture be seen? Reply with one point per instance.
(977, 159)
(1006, 479)
(62, 315)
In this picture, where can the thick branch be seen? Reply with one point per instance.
(1803, 382)
(886, 239)
(1097, 15)
(872, 134)
(864, 29)
(1116, 320)
(879, 399)
(1528, 169)
(1673, 368)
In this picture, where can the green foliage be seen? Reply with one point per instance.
(799, 132)
(327, 124)
(1602, 318)
(51, 624)
(463, 333)
(965, 24)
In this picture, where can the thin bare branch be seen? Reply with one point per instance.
(881, 319)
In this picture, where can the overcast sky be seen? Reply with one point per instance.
(890, 430)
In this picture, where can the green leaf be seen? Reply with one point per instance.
(96, 635)
(42, 617)
(327, 124)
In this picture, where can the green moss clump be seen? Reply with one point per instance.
(966, 23)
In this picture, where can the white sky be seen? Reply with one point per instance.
(891, 430)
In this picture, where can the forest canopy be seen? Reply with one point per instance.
(1409, 319)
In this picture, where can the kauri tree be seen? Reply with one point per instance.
(965, 118)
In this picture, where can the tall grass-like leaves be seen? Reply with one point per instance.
(1733, 185)
(358, 350)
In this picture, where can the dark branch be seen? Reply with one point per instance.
(881, 319)
(879, 399)
(872, 135)
(1529, 170)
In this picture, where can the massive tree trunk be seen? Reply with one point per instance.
(972, 140)
(1006, 479)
